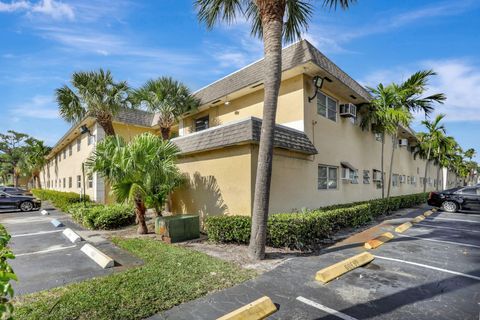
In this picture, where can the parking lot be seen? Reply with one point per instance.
(430, 271)
(45, 258)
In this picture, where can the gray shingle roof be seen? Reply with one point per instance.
(135, 117)
(297, 54)
(243, 131)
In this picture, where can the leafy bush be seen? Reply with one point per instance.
(105, 217)
(303, 230)
(6, 275)
(59, 199)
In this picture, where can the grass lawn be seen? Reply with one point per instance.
(171, 275)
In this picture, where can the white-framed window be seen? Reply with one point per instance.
(327, 106)
(327, 177)
(79, 181)
(395, 180)
(70, 182)
(90, 139)
(70, 150)
(90, 181)
(64, 183)
(79, 144)
(64, 153)
(366, 176)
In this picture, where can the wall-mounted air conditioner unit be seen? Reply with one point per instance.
(377, 175)
(403, 142)
(348, 110)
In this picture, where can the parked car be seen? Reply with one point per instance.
(22, 202)
(15, 191)
(452, 200)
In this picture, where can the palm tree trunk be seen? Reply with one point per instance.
(165, 133)
(382, 165)
(426, 169)
(272, 21)
(140, 210)
(438, 177)
(105, 121)
(39, 183)
(390, 171)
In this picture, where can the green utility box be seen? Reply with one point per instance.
(178, 228)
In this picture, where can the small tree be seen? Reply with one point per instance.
(34, 159)
(141, 170)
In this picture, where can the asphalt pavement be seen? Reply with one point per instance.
(431, 271)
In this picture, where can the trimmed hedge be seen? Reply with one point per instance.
(303, 230)
(59, 199)
(104, 217)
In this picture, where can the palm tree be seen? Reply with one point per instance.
(35, 160)
(443, 152)
(168, 98)
(374, 117)
(140, 171)
(95, 94)
(433, 136)
(272, 21)
(469, 154)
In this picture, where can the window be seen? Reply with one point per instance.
(91, 139)
(326, 106)
(70, 182)
(70, 150)
(327, 177)
(395, 179)
(64, 183)
(64, 153)
(201, 123)
(366, 176)
(90, 181)
(470, 191)
(79, 182)
(79, 144)
(59, 157)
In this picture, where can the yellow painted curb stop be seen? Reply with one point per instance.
(428, 213)
(401, 228)
(435, 209)
(418, 219)
(256, 310)
(336, 270)
(378, 241)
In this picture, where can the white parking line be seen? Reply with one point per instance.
(430, 267)
(35, 233)
(422, 224)
(326, 309)
(460, 220)
(50, 249)
(441, 241)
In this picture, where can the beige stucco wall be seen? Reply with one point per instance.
(289, 112)
(71, 167)
(218, 182)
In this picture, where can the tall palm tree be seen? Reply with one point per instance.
(469, 154)
(141, 170)
(272, 21)
(374, 117)
(168, 98)
(94, 94)
(444, 150)
(433, 136)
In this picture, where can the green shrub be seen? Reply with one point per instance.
(303, 230)
(61, 200)
(105, 217)
(6, 275)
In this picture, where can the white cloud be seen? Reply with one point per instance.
(329, 38)
(458, 79)
(51, 8)
(39, 107)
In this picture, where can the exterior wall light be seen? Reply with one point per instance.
(317, 82)
(84, 129)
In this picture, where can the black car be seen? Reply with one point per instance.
(452, 200)
(24, 203)
(15, 191)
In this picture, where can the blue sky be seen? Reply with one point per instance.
(44, 41)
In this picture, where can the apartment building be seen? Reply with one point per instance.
(321, 154)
